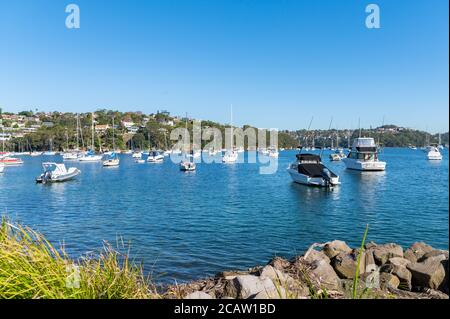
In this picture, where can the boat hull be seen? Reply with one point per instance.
(71, 174)
(110, 163)
(311, 181)
(95, 158)
(364, 166)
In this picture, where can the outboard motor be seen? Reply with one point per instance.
(47, 176)
(326, 175)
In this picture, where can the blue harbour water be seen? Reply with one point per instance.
(190, 225)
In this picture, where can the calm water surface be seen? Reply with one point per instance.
(190, 225)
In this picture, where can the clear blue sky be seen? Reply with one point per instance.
(278, 62)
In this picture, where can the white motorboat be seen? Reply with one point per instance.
(363, 156)
(337, 155)
(90, 156)
(433, 152)
(56, 172)
(187, 166)
(35, 153)
(49, 153)
(112, 160)
(197, 154)
(230, 157)
(309, 170)
(273, 152)
(71, 156)
(155, 157)
(10, 161)
(137, 155)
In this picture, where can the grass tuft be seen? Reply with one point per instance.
(31, 267)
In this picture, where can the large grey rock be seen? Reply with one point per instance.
(198, 295)
(430, 273)
(388, 281)
(397, 266)
(416, 251)
(433, 253)
(278, 293)
(335, 247)
(249, 285)
(369, 262)
(314, 255)
(382, 253)
(324, 276)
(345, 264)
(279, 263)
(275, 275)
(231, 289)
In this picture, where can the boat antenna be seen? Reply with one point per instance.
(323, 144)
(359, 124)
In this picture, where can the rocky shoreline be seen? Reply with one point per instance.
(328, 270)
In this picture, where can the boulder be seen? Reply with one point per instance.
(335, 247)
(430, 273)
(249, 286)
(382, 253)
(279, 263)
(416, 251)
(314, 255)
(388, 281)
(198, 295)
(274, 274)
(370, 245)
(230, 290)
(345, 264)
(278, 293)
(324, 276)
(230, 275)
(433, 253)
(397, 266)
(369, 262)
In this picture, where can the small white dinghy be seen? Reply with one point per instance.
(56, 172)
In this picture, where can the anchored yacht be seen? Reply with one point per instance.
(433, 152)
(309, 170)
(363, 156)
(155, 157)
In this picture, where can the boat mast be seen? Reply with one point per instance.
(114, 143)
(3, 136)
(323, 144)
(92, 128)
(231, 127)
(359, 124)
(78, 131)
